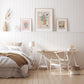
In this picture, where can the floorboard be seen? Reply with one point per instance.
(46, 77)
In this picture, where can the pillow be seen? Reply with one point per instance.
(17, 48)
(4, 48)
(13, 44)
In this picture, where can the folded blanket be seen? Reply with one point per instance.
(20, 60)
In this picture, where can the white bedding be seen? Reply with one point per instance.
(10, 67)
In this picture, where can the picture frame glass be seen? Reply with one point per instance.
(26, 24)
(44, 19)
(62, 25)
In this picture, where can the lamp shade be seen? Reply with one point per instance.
(31, 44)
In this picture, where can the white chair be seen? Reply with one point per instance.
(55, 62)
(62, 60)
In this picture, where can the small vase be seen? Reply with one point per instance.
(5, 26)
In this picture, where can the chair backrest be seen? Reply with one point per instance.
(50, 55)
(63, 56)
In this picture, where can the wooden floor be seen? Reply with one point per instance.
(47, 77)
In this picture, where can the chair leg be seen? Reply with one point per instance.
(38, 67)
(68, 67)
(47, 67)
(60, 69)
(50, 67)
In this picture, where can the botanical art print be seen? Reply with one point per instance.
(62, 24)
(26, 25)
(44, 19)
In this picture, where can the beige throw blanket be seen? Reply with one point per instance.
(17, 58)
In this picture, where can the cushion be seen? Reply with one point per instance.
(13, 43)
(11, 46)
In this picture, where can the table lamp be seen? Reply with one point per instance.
(31, 45)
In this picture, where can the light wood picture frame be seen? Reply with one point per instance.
(43, 19)
(62, 24)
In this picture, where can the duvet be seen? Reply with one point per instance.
(14, 64)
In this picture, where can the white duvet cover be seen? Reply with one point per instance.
(9, 68)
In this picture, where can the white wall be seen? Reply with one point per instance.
(71, 9)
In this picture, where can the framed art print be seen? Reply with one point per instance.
(26, 24)
(62, 25)
(43, 19)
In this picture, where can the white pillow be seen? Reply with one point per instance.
(17, 48)
(11, 46)
(13, 43)
(4, 48)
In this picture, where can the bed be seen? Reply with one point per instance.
(13, 62)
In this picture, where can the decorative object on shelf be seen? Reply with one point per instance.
(16, 28)
(26, 24)
(62, 24)
(72, 48)
(31, 45)
(44, 19)
(5, 26)
(7, 17)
